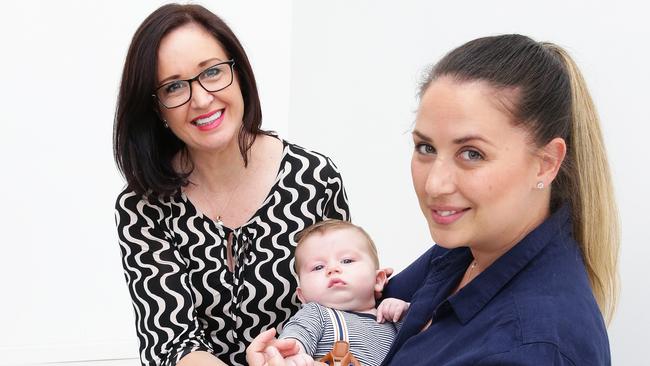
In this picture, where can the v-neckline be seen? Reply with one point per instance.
(285, 147)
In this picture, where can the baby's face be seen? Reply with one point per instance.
(337, 271)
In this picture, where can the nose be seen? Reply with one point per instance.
(333, 269)
(201, 98)
(440, 178)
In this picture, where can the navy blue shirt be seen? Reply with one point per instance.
(532, 306)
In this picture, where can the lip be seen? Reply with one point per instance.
(442, 215)
(336, 282)
(213, 124)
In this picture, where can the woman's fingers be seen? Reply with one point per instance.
(255, 351)
(274, 358)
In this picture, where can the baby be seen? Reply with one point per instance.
(338, 268)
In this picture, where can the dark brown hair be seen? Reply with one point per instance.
(551, 100)
(142, 147)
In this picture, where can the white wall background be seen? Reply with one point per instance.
(63, 292)
(356, 66)
(337, 76)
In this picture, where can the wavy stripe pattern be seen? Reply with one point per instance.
(184, 297)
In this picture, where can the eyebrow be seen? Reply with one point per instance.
(421, 135)
(200, 64)
(457, 141)
(463, 140)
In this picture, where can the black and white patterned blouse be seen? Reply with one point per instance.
(176, 262)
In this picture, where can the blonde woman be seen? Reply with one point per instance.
(511, 174)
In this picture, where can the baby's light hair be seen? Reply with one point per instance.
(329, 225)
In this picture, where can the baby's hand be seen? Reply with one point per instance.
(391, 309)
(300, 359)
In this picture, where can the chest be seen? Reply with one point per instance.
(492, 331)
(234, 204)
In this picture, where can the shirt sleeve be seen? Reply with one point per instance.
(530, 354)
(336, 205)
(306, 327)
(403, 285)
(156, 275)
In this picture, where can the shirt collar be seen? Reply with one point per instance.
(467, 302)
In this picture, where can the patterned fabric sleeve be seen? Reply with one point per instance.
(336, 205)
(306, 327)
(166, 323)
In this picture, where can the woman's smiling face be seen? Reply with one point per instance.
(209, 120)
(473, 170)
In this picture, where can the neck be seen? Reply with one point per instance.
(215, 169)
(485, 255)
(367, 307)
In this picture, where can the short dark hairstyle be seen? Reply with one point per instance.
(329, 225)
(143, 148)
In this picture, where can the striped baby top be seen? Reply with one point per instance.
(312, 327)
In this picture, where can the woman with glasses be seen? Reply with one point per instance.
(511, 173)
(207, 221)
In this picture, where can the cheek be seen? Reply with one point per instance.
(419, 176)
(488, 185)
(173, 117)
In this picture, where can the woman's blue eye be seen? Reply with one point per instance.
(471, 155)
(174, 87)
(211, 72)
(317, 267)
(425, 149)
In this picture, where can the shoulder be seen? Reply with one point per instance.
(570, 322)
(310, 317)
(127, 200)
(555, 305)
(311, 310)
(300, 151)
(130, 202)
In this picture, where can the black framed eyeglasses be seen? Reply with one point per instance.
(178, 92)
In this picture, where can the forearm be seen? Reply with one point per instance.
(200, 358)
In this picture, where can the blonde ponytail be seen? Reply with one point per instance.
(595, 216)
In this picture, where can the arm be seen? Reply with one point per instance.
(529, 355)
(156, 276)
(200, 358)
(265, 350)
(306, 327)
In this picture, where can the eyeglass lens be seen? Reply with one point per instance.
(212, 79)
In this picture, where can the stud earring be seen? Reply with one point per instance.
(165, 123)
(540, 185)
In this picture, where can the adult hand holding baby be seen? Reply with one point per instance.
(266, 350)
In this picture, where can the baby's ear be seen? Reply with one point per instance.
(301, 297)
(380, 280)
